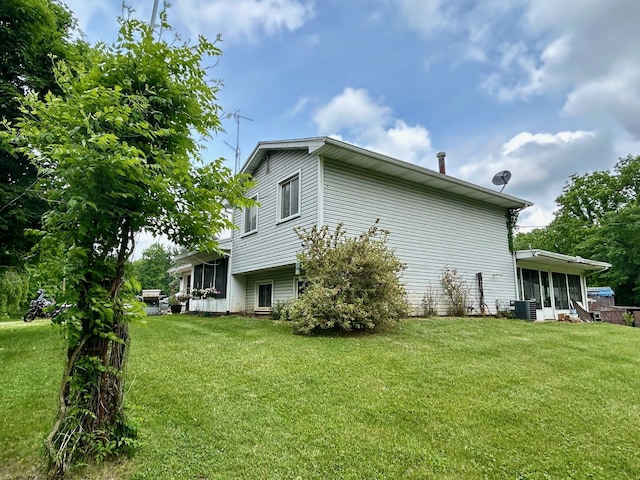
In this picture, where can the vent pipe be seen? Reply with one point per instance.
(441, 165)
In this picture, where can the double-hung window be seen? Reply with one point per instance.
(289, 197)
(251, 218)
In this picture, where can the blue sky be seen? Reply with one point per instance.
(543, 88)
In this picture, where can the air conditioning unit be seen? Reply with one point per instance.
(525, 309)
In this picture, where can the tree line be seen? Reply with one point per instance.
(598, 217)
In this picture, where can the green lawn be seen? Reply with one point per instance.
(236, 398)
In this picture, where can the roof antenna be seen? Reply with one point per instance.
(152, 23)
(502, 178)
(236, 115)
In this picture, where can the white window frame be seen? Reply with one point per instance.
(281, 183)
(257, 306)
(245, 212)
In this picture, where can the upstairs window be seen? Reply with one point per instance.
(289, 197)
(251, 218)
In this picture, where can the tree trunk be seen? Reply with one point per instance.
(91, 416)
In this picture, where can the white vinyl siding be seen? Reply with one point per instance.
(282, 287)
(275, 244)
(430, 230)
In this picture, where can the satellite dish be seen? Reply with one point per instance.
(502, 178)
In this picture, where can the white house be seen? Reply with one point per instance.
(436, 222)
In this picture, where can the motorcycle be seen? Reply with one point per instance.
(41, 307)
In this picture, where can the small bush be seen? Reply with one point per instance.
(628, 319)
(280, 311)
(353, 283)
(429, 302)
(456, 292)
(14, 287)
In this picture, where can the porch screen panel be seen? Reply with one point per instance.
(221, 277)
(560, 292)
(208, 276)
(575, 292)
(546, 289)
(197, 276)
(531, 285)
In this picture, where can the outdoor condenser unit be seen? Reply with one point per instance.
(525, 309)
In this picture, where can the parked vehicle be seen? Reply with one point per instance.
(41, 306)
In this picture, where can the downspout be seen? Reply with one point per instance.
(320, 190)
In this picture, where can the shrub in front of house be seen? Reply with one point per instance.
(352, 283)
(456, 292)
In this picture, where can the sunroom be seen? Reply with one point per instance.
(554, 281)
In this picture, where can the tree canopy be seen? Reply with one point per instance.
(151, 269)
(34, 34)
(598, 217)
(117, 151)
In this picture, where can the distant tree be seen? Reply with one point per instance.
(114, 153)
(34, 34)
(151, 269)
(598, 217)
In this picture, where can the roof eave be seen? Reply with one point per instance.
(576, 261)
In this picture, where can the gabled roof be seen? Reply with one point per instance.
(552, 259)
(372, 161)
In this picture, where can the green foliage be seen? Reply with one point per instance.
(280, 311)
(429, 302)
(34, 34)
(456, 292)
(399, 404)
(114, 155)
(599, 218)
(14, 287)
(152, 269)
(353, 283)
(628, 319)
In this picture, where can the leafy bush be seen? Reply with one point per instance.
(456, 292)
(429, 302)
(13, 291)
(279, 311)
(353, 283)
(628, 319)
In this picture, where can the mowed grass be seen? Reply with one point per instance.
(237, 398)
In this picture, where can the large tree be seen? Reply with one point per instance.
(114, 153)
(151, 270)
(598, 217)
(34, 34)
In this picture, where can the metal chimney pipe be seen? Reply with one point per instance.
(441, 164)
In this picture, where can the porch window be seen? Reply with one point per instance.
(251, 218)
(575, 290)
(560, 291)
(531, 286)
(265, 295)
(546, 289)
(289, 197)
(212, 274)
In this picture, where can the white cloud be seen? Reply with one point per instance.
(523, 138)
(426, 16)
(244, 19)
(540, 164)
(371, 125)
(584, 50)
(353, 110)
